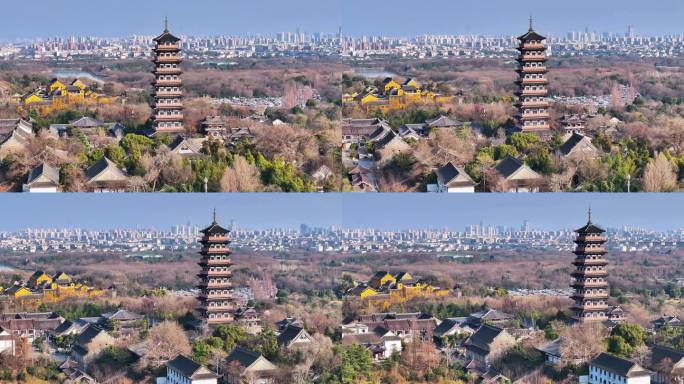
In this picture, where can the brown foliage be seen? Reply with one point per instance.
(241, 177)
(166, 340)
(660, 175)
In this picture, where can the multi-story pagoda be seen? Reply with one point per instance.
(167, 108)
(589, 280)
(533, 104)
(216, 301)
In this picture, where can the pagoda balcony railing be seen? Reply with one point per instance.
(215, 274)
(533, 116)
(533, 46)
(168, 59)
(226, 296)
(590, 307)
(215, 285)
(533, 69)
(590, 295)
(538, 92)
(536, 104)
(226, 319)
(590, 273)
(590, 237)
(601, 262)
(534, 81)
(215, 250)
(168, 105)
(161, 93)
(217, 308)
(173, 129)
(167, 47)
(168, 71)
(590, 285)
(168, 83)
(590, 250)
(168, 117)
(216, 238)
(535, 128)
(209, 262)
(532, 57)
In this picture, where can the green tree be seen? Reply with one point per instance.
(267, 343)
(633, 334)
(625, 338)
(503, 150)
(201, 351)
(356, 363)
(618, 346)
(230, 335)
(523, 141)
(116, 154)
(131, 141)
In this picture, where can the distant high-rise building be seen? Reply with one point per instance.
(167, 108)
(589, 280)
(533, 104)
(216, 300)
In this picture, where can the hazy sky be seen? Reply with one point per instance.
(386, 211)
(410, 17)
(40, 18)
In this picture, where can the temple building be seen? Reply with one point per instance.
(216, 301)
(533, 104)
(167, 108)
(589, 280)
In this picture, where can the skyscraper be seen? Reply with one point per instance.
(167, 108)
(533, 104)
(589, 279)
(216, 301)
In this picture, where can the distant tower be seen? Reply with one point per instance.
(533, 104)
(216, 301)
(590, 276)
(167, 108)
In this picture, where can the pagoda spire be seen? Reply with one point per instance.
(589, 216)
(166, 23)
(531, 23)
(214, 221)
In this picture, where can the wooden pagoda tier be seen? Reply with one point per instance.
(216, 300)
(167, 107)
(589, 279)
(533, 106)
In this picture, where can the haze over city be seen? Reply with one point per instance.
(386, 211)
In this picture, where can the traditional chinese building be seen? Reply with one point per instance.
(533, 104)
(167, 108)
(216, 301)
(589, 280)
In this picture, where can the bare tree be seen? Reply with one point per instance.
(660, 175)
(579, 341)
(240, 177)
(166, 340)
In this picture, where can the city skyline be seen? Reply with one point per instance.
(660, 212)
(213, 17)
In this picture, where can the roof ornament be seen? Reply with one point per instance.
(589, 215)
(214, 222)
(166, 23)
(531, 28)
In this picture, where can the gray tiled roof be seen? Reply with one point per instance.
(618, 366)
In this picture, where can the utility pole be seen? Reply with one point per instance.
(484, 178)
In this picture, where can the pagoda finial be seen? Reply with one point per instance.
(531, 22)
(166, 23)
(589, 216)
(214, 216)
